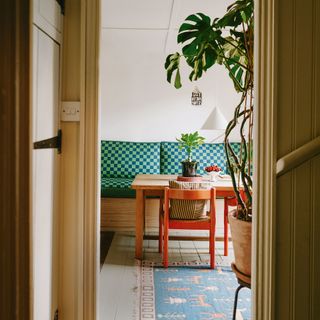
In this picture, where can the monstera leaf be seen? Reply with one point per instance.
(172, 65)
(236, 62)
(201, 43)
(239, 12)
(204, 45)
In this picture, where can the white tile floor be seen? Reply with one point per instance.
(118, 282)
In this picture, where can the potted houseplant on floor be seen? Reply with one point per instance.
(189, 142)
(227, 41)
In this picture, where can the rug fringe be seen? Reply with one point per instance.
(137, 300)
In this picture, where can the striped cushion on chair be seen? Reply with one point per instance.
(188, 209)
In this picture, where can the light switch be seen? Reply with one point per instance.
(70, 111)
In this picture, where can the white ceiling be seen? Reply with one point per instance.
(156, 14)
(166, 15)
(138, 14)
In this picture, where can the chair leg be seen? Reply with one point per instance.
(225, 226)
(212, 248)
(236, 301)
(160, 242)
(165, 247)
(212, 244)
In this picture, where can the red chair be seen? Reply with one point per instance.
(207, 223)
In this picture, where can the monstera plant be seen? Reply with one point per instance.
(226, 41)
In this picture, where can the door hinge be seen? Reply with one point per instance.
(56, 315)
(54, 142)
(62, 5)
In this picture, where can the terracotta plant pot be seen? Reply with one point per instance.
(241, 239)
(189, 168)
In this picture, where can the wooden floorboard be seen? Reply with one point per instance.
(105, 243)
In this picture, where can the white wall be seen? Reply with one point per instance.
(137, 103)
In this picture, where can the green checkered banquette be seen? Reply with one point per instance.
(121, 161)
(206, 155)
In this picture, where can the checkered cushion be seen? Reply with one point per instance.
(117, 188)
(120, 159)
(188, 209)
(207, 154)
(116, 182)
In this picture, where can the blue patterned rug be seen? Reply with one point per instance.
(190, 292)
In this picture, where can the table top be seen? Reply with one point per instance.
(160, 181)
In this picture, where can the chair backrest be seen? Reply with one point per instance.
(182, 202)
(189, 194)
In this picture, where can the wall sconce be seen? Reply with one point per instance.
(196, 97)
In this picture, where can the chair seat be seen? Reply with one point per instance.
(205, 218)
(191, 224)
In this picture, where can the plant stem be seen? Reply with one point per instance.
(227, 145)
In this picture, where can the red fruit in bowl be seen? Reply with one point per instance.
(212, 168)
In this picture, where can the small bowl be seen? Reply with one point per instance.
(214, 175)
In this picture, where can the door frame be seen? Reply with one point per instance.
(90, 40)
(19, 302)
(264, 161)
(264, 236)
(15, 160)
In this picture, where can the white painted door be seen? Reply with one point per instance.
(46, 65)
(47, 16)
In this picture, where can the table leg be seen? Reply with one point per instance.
(225, 224)
(140, 205)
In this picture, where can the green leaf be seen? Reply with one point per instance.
(190, 141)
(210, 58)
(177, 81)
(244, 16)
(191, 76)
(172, 65)
(184, 36)
(205, 43)
(193, 17)
(234, 15)
(187, 27)
(239, 76)
(190, 49)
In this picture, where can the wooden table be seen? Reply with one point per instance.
(154, 184)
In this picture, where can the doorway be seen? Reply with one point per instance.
(140, 114)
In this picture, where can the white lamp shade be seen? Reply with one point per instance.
(215, 121)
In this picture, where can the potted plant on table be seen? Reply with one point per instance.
(227, 41)
(189, 142)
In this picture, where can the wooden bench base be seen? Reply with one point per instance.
(118, 214)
